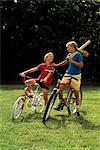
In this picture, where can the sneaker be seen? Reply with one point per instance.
(78, 113)
(68, 109)
(59, 107)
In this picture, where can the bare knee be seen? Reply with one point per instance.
(45, 96)
(30, 82)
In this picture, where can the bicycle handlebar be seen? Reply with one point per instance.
(41, 83)
(56, 71)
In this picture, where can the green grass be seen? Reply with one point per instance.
(60, 132)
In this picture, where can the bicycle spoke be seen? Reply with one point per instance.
(18, 108)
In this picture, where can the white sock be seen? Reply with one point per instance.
(77, 106)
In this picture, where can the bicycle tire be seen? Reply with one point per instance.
(72, 103)
(14, 116)
(49, 106)
(69, 97)
(81, 95)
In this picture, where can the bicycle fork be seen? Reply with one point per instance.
(69, 95)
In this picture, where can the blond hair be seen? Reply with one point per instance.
(72, 43)
(50, 53)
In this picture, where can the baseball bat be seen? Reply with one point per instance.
(84, 45)
(85, 53)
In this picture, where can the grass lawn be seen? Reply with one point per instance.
(60, 132)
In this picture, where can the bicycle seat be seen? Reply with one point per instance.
(71, 77)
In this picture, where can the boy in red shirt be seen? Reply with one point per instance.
(47, 70)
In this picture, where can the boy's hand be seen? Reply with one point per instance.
(84, 53)
(22, 74)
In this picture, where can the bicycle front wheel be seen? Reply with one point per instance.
(49, 106)
(18, 107)
(71, 99)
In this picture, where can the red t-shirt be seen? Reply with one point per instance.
(45, 70)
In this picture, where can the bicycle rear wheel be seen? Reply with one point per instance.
(18, 107)
(71, 107)
(49, 106)
(80, 95)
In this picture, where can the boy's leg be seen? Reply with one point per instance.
(64, 82)
(60, 105)
(28, 90)
(29, 84)
(45, 96)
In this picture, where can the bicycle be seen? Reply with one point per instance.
(34, 101)
(70, 100)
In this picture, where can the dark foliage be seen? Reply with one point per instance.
(30, 28)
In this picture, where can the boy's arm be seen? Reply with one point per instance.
(29, 71)
(61, 63)
(79, 64)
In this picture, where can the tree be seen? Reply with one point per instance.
(30, 28)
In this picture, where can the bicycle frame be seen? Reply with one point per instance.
(37, 88)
